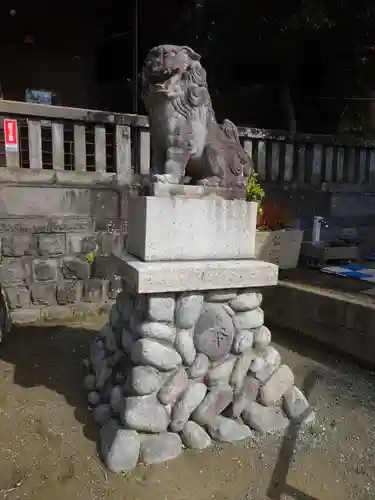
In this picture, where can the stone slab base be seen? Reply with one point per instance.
(176, 276)
(336, 319)
(186, 368)
(195, 192)
(191, 229)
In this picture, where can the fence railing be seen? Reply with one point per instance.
(310, 159)
(59, 138)
(80, 140)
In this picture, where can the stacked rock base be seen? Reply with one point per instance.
(183, 369)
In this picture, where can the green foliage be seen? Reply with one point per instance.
(91, 257)
(254, 191)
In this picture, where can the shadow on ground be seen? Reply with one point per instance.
(350, 381)
(279, 481)
(51, 356)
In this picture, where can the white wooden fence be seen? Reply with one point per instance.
(113, 144)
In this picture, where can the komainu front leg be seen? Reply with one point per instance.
(210, 181)
(175, 165)
(157, 162)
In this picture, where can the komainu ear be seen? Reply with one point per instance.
(230, 130)
(191, 53)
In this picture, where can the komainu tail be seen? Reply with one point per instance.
(230, 130)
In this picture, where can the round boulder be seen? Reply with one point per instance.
(119, 448)
(262, 337)
(227, 430)
(243, 340)
(145, 380)
(160, 307)
(158, 331)
(145, 413)
(221, 295)
(295, 403)
(184, 345)
(174, 387)
(249, 319)
(220, 372)
(194, 437)
(188, 308)
(151, 352)
(246, 301)
(214, 332)
(191, 399)
(200, 366)
(161, 448)
(275, 388)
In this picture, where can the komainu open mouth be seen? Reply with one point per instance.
(161, 80)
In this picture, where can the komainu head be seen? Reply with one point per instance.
(169, 70)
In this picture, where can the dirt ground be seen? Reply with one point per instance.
(48, 440)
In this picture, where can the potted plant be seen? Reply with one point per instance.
(276, 241)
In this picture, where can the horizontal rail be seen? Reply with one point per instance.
(31, 110)
(92, 141)
(28, 110)
(281, 135)
(311, 164)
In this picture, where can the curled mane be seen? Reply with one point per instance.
(195, 93)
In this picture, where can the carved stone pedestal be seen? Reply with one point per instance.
(185, 357)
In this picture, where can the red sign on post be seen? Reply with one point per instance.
(11, 135)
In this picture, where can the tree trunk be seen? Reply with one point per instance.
(288, 107)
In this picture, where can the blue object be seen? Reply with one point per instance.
(354, 274)
(352, 271)
(353, 267)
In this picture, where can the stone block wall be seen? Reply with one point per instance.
(344, 207)
(47, 231)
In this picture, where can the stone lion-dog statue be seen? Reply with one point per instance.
(186, 140)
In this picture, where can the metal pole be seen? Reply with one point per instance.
(135, 58)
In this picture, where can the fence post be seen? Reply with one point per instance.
(100, 148)
(35, 144)
(58, 159)
(123, 154)
(317, 165)
(79, 148)
(144, 158)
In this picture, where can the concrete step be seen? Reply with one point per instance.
(341, 320)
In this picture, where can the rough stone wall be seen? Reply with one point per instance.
(188, 368)
(46, 234)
